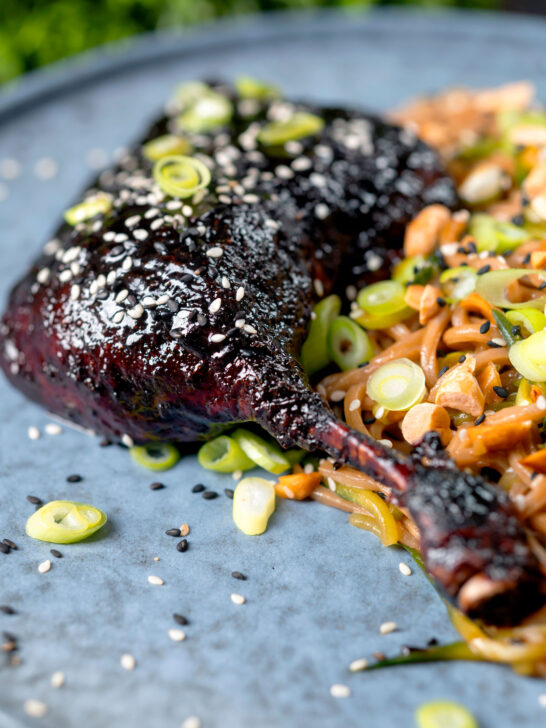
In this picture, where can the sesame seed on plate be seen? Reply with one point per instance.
(358, 665)
(44, 567)
(217, 338)
(215, 305)
(128, 662)
(542, 700)
(404, 569)
(340, 691)
(35, 708)
(149, 302)
(57, 680)
(155, 580)
(238, 575)
(238, 599)
(191, 722)
(10, 169)
(52, 428)
(156, 223)
(388, 627)
(127, 440)
(184, 529)
(46, 168)
(177, 635)
(355, 404)
(56, 554)
(237, 474)
(33, 433)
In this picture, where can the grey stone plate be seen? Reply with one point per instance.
(317, 589)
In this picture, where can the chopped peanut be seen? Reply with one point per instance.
(488, 378)
(422, 234)
(536, 461)
(458, 388)
(429, 304)
(423, 418)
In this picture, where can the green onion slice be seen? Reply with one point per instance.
(397, 385)
(206, 113)
(382, 298)
(180, 176)
(100, 204)
(190, 92)
(155, 456)
(301, 124)
(416, 269)
(529, 319)
(492, 286)
(251, 88)
(444, 714)
(265, 454)
(496, 235)
(348, 343)
(372, 322)
(314, 352)
(223, 455)
(457, 283)
(529, 357)
(166, 146)
(65, 522)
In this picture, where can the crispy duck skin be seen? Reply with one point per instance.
(165, 321)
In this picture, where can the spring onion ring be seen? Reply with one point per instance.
(528, 319)
(155, 456)
(492, 287)
(251, 88)
(348, 343)
(223, 455)
(444, 714)
(496, 235)
(457, 283)
(65, 522)
(314, 352)
(267, 455)
(253, 504)
(181, 176)
(166, 146)
(100, 204)
(300, 125)
(529, 357)
(397, 385)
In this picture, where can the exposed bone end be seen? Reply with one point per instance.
(502, 602)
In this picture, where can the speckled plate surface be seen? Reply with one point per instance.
(317, 589)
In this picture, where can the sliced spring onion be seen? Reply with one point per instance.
(166, 146)
(314, 352)
(482, 149)
(253, 504)
(100, 204)
(528, 319)
(397, 385)
(348, 343)
(416, 269)
(300, 125)
(444, 714)
(492, 286)
(188, 93)
(251, 88)
(205, 112)
(223, 455)
(507, 120)
(529, 357)
(505, 327)
(155, 456)
(383, 298)
(440, 653)
(180, 176)
(457, 283)
(380, 520)
(496, 235)
(372, 322)
(267, 455)
(65, 522)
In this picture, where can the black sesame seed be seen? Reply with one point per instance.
(463, 265)
(518, 220)
(516, 330)
(542, 286)
(228, 492)
(9, 637)
(534, 475)
(199, 488)
(10, 544)
(173, 532)
(202, 319)
(472, 248)
(501, 391)
(34, 500)
(57, 554)
(432, 642)
(74, 478)
(441, 301)
(210, 495)
(182, 545)
(462, 358)
(364, 364)
(105, 442)
(490, 474)
(526, 259)
(494, 345)
(180, 619)
(337, 465)
(484, 328)
(462, 250)
(442, 371)
(368, 420)
(6, 609)
(484, 269)
(238, 575)
(4, 549)
(479, 420)
(156, 486)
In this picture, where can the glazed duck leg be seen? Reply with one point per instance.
(169, 319)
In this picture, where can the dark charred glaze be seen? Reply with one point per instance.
(119, 336)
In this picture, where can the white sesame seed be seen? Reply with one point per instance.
(33, 433)
(322, 211)
(498, 340)
(385, 441)
(10, 169)
(65, 275)
(127, 263)
(351, 292)
(239, 295)
(388, 627)
(162, 299)
(155, 580)
(71, 254)
(109, 236)
(152, 212)
(340, 691)
(132, 221)
(118, 317)
(75, 268)
(542, 700)
(127, 440)
(140, 234)
(128, 662)
(187, 210)
(97, 158)
(46, 168)
(301, 164)
(75, 292)
(191, 722)
(43, 275)
(149, 302)
(250, 198)
(272, 224)
(318, 285)
(337, 395)
(136, 312)
(379, 412)
(237, 474)
(358, 665)
(239, 323)
(215, 305)
(404, 569)
(215, 252)
(177, 635)
(238, 599)
(121, 237)
(217, 338)
(35, 708)
(156, 223)
(541, 402)
(284, 172)
(94, 287)
(331, 484)
(249, 329)
(57, 680)
(122, 295)
(44, 567)
(308, 468)
(355, 404)
(52, 428)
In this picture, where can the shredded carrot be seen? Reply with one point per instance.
(297, 486)
(536, 461)
(476, 304)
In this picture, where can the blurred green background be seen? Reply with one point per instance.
(36, 32)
